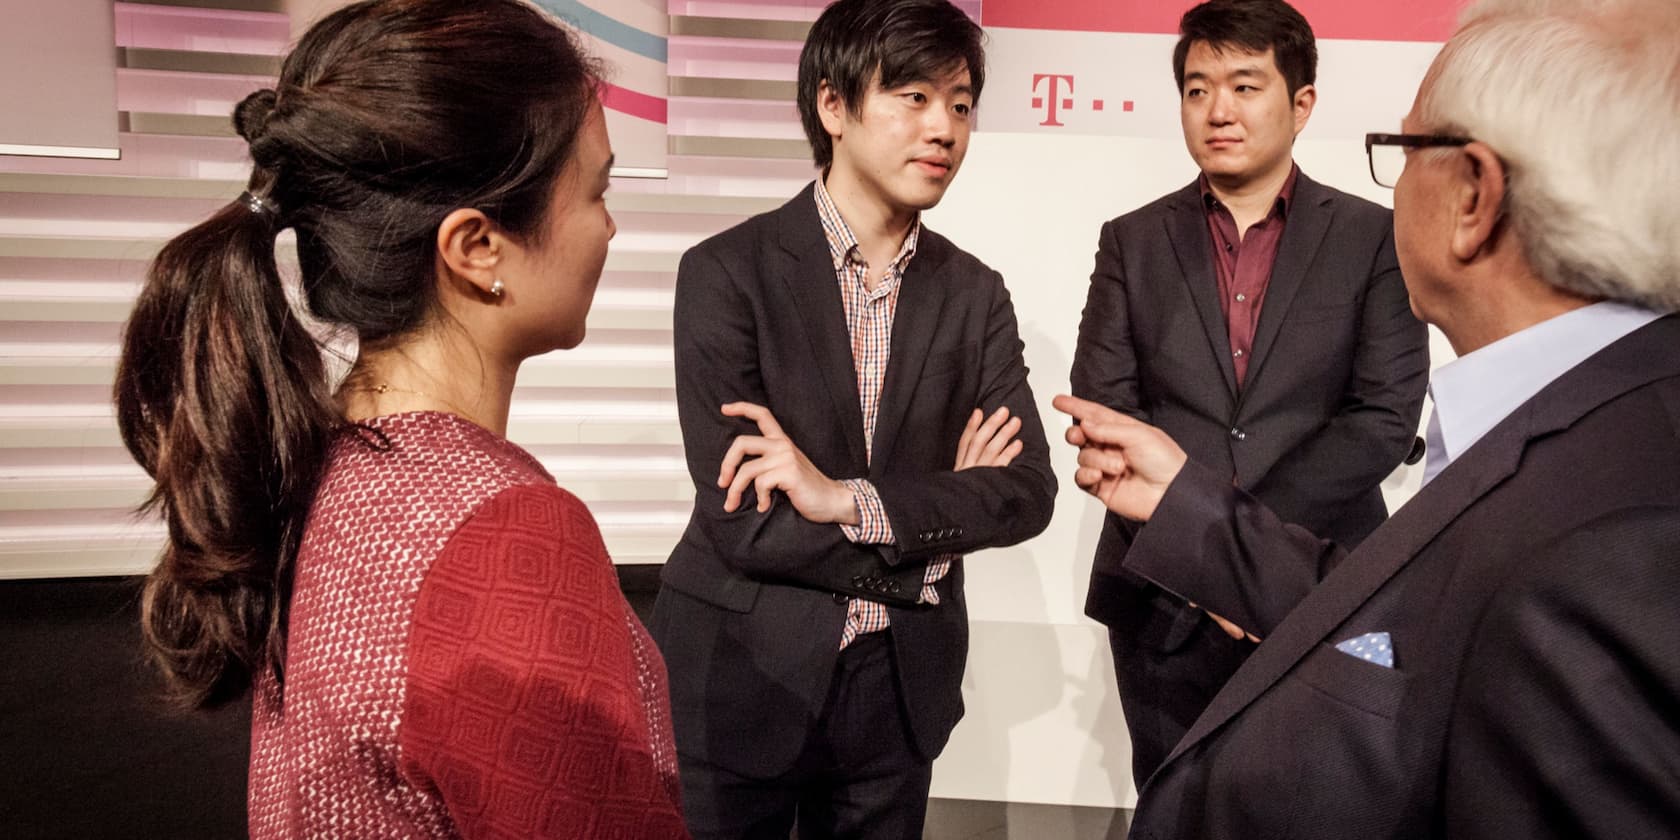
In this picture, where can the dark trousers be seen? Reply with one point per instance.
(858, 776)
(1168, 674)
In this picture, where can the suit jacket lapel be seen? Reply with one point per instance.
(1617, 369)
(921, 301)
(809, 274)
(1187, 230)
(1308, 221)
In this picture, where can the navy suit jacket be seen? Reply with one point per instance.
(1328, 408)
(1532, 595)
(751, 634)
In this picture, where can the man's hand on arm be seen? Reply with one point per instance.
(779, 465)
(990, 443)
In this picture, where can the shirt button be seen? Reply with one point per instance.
(1238, 434)
(1241, 297)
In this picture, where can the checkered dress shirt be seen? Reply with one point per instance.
(869, 320)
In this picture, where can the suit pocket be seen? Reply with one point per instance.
(1317, 755)
(1353, 681)
(950, 362)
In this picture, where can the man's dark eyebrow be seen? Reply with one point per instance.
(1250, 72)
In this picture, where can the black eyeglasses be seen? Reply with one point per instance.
(1387, 152)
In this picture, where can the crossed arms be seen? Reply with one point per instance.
(773, 482)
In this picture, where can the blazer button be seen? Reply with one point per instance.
(893, 587)
(956, 532)
(1238, 434)
(1417, 451)
(840, 599)
(857, 580)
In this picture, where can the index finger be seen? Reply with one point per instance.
(766, 421)
(1085, 410)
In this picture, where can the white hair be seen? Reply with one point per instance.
(1581, 100)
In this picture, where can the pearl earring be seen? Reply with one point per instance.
(496, 287)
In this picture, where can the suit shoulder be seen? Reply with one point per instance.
(953, 258)
(740, 237)
(1149, 214)
(1361, 209)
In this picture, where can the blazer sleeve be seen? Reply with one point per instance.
(717, 361)
(945, 511)
(525, 711)
(1373, 429)
(1564, 725)
(1105, 366)
(1212, 543)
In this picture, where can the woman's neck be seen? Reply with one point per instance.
(437, 370)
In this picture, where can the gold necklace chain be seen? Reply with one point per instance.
(384, 388)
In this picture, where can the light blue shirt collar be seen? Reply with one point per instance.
(1474, 392)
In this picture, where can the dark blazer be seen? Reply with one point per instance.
(1328, 408)
(1532, 594)
(752, 631)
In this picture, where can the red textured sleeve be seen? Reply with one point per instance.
(524, 709)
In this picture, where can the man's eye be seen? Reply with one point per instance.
(916, 97)
(963, 109)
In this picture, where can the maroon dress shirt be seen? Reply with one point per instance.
(1244, 266)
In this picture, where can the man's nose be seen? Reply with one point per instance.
(1221, 110)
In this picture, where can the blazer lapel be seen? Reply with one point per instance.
(1619, 368)
(1303, 231)
(921, 300)
(1187, 231)
(809, 274)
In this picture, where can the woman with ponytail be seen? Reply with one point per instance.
(430, 630)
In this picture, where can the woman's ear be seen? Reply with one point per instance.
(471, 247)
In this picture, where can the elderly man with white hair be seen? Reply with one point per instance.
(1501, 659)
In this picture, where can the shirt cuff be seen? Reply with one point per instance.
(873, 526)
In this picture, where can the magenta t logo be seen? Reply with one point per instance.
(1054, 101)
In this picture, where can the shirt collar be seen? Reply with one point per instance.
(1286, 196)
(843, 244)
(1474, 392)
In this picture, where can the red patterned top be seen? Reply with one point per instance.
(460, 661)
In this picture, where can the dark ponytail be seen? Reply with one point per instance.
(222, 398)
(388, 115)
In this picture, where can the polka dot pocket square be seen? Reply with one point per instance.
(1375, 648)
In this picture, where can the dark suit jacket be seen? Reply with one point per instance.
(1329, 407)
(1531, 595)
(752, 634)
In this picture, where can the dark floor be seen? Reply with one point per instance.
(87, 752)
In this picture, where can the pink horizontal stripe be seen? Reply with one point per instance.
(1360, 20)
(627, 101)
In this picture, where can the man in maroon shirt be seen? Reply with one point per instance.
(1259, 317)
